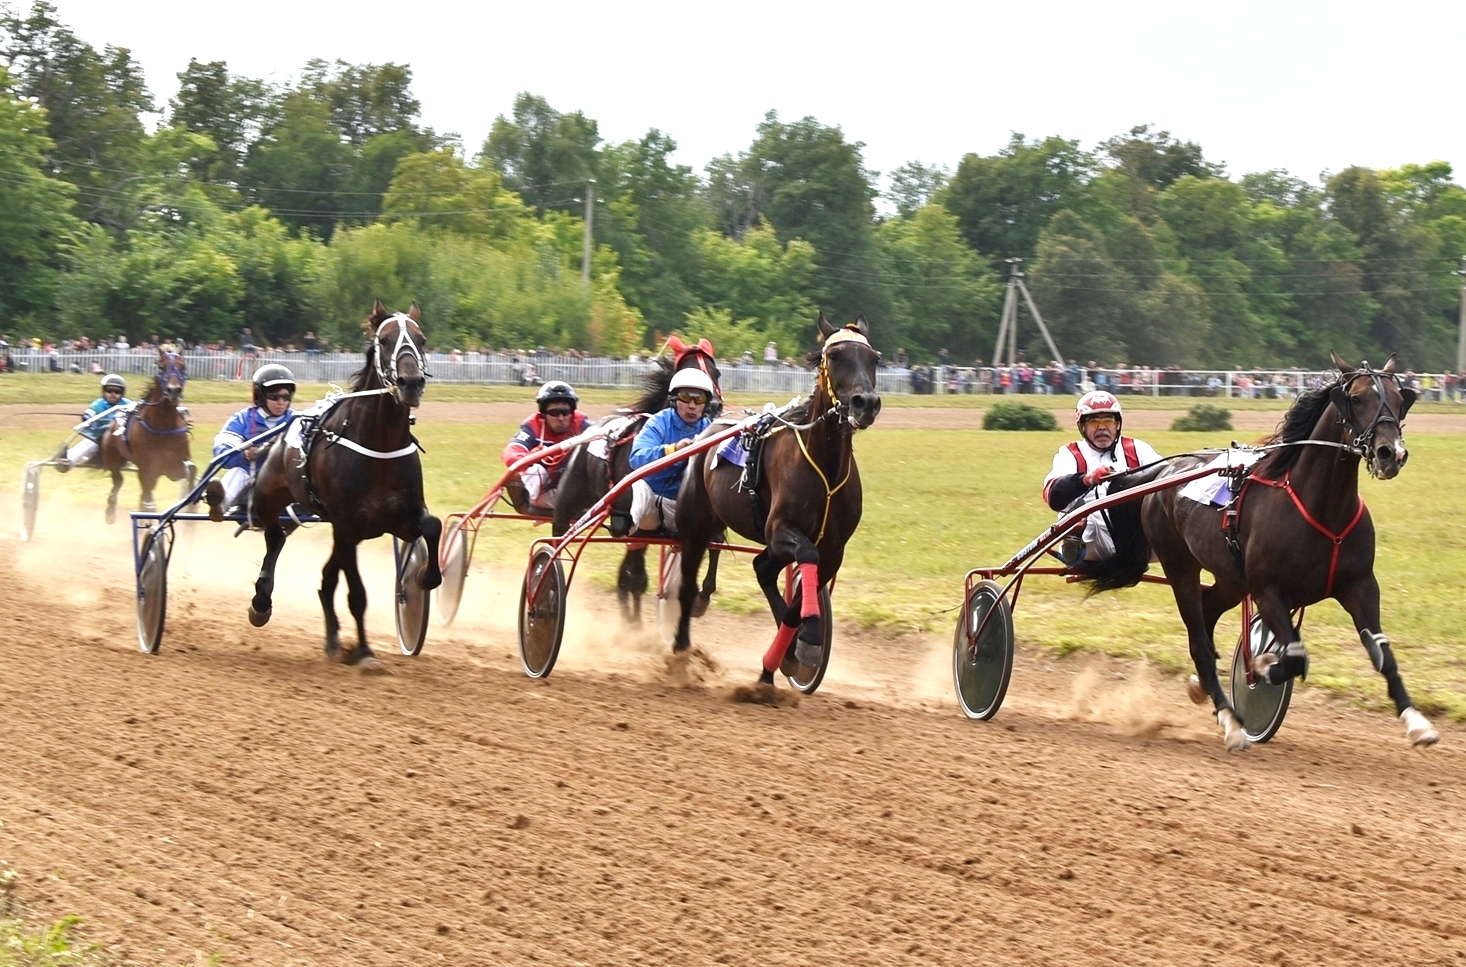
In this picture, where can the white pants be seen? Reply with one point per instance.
(649, 511)
(81, 451)
(536, 480)
(1098, 544)
(237, 483)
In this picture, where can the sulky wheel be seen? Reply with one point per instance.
(669, 591)
(455, 572)
(413, 602)
(152, 590)
(541, 624)
(807, 678)
(1261, 704)
(30, 499)
(981, 668)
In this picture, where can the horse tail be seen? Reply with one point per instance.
(654, 387)
(1131, 559)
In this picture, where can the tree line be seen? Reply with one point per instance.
(288, 208)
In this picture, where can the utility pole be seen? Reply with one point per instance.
(1008, 326)
(1461, 330)
(590, 216)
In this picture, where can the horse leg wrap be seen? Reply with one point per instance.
(775, 655)
(809, 582)
(1292, 664)
(1379, 650)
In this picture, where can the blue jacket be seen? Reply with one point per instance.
(664, 428)
(247, 424)
(94, 431)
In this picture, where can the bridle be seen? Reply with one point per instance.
(1362, 441)
(170, 369)
(824, 381)
(405, 346)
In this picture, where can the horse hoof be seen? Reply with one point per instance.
(700, 605)
(789, 667)
(260, 618)
(111, 513)
(368, 665)
(1194, 691)
(1235, 739)
(1418, 730)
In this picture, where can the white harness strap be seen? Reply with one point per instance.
(374, 454)
(387, 366)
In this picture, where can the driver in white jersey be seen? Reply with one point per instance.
(1081, 467)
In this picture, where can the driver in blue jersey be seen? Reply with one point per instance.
(83, 451)
(274, 388)
(654, 498)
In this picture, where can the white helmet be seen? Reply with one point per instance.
(691, 378)
(1095, 403)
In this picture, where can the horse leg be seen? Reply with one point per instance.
(356, 600)
(692, 553)
(709, 585)
(148, 480)
(1186, 588)
(631, 584)
(1216, 601)
(799, 622)
(1361, 600)
(1293, 662)
(261, 606)
(112, 497)
(329, 574)
(432, 532)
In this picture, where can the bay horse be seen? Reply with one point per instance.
(1301, 533)
(153, 435)
(588, 477)
(807, 504)
(358, 468)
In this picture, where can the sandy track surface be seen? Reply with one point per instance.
(238, 795)
(20, 416)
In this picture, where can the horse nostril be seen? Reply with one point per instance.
(1383, 453)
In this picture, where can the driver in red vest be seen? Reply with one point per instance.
(1080, 469)
(557, 420)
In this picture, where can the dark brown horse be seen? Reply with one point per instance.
(361, 472)
(588, 477)
(153, 436)
(1302, 534)
(807, 504)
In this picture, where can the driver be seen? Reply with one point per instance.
(557, 420)
(1081, 467)
(654, 498)
(85, 449)
(274, 388)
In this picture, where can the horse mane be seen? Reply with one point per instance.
(1297, 424)
(367, 377)
(654, 387)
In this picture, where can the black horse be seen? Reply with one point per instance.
(1301, 534)
(807, 503)
(359, 470)
(588, 477)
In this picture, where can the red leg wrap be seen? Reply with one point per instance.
(775, 655)
(809, 582)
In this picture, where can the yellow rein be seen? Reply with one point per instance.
(822, 379)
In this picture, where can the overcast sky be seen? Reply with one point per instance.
(1304, 86)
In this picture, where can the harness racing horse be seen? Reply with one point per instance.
(358, 468)
(807, 503)
(153, 435)
(588, 477)
(1296, 533)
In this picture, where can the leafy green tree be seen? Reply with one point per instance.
(92, 102)
(943, 294)
(760, 281)
(300, 168)
(36, 223)
(229, 109)
(436, 191)
(1152, 160)
(1003, 202)
(544, 155)
(365, 101)
(914, 184)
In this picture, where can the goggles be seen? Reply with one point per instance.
(279, 396)
(692, 398)
(1107, 419)
(111, 390)
(558, 411)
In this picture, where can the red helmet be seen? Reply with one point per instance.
(1095, 403)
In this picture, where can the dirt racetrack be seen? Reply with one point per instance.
(237, 795)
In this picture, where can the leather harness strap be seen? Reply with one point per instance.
(1286, 485)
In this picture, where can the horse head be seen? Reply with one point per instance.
(172, 374)
(698, 355)
(397, 349)
(1372, 404)
(847, 371)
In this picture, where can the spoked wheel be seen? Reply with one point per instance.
(807, 678)
(413, 601)
(981, 668)
(152, 589)
(542, 624)
(30, 499)
(1261, 704)
(669, 604)
(455, 572)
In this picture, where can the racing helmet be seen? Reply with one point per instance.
(1097, 403)
(113, 381)
(269, 376)
(691, 378)
(556, 391)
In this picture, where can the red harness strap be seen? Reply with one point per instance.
(1286, 485)
(1079, 460)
